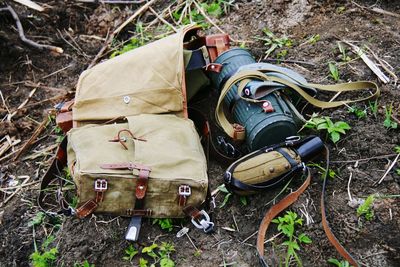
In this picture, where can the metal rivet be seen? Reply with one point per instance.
(271, 170)
(287, 166)
(127, 99)
(141, 187)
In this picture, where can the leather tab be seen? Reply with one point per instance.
(267, 107)
(139, 212)
(141, 185)
(64, 121)
(86, 209)
(217, 44)
(238, 132)
(192, 212)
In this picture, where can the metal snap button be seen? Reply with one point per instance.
(127, 99)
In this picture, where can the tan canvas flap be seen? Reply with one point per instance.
(145, 80)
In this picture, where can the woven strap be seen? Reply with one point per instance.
(243, 77)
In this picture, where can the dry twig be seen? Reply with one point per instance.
(35, 134)
(30, 4)
(29, 41)
(388, 169)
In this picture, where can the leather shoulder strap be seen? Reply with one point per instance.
(274, 211)
(53, 173)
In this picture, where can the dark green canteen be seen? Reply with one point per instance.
(273, 119)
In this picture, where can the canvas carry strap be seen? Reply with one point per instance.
(289, 200)
(238, 132)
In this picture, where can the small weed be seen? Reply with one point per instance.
(334, 129)
(360, 113)
(313, 39)
(130, 252)
(340, 9)
(334, 71)
(331, 173)
(134, 42)
(228, 194)
(287, 225)
(342, 50)
(243, 200)
(45, 259)
(84, 264)
(274, 42)
(397, 149)
(374, 107)
(38, 219)
(197, 253)
(47, 242)
(164, 223)
(143, 262)
(366, 208)
(388, 123)
(338, 263)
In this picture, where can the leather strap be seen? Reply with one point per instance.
(274, 211)
(217, 44)
(54, 172)
(328, 231)
(243, 77)
(286, 202)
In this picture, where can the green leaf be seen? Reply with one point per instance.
(335, 137)
(304, 239)
(322, 126)
(343, 125)
(334, 72)
(149, 248)
(38, 219)
(226, 198)
(166, 262)
(334, 261)
(339, 130)
(214, 9)
(243, 200)
(143, 262)
(223, 189)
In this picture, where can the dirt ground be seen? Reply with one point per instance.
(363, 154)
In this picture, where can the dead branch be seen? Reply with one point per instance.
(26, 40)
(377, 10)
(375, 69)
(388, 170)
(35, 134)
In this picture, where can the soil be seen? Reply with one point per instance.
(81, 28)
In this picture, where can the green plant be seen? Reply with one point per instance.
(47, 242)
(243, 200)
(133, 42)
(374, 107)
(287, 225)
(313, 39)
(164, 223)
(388, 123)
(45, 259)
(334, 129)
(274, 42)
(360, 113)
(84, 264)
(342, 50)
(366, 208)
(227, 196)
(331, 173)
(159, 253)
(130, 252)
(338, 263)
(334, 71)
(143, 262)
(38, 219)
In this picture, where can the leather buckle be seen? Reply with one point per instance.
(184, 190)
(100, 185)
